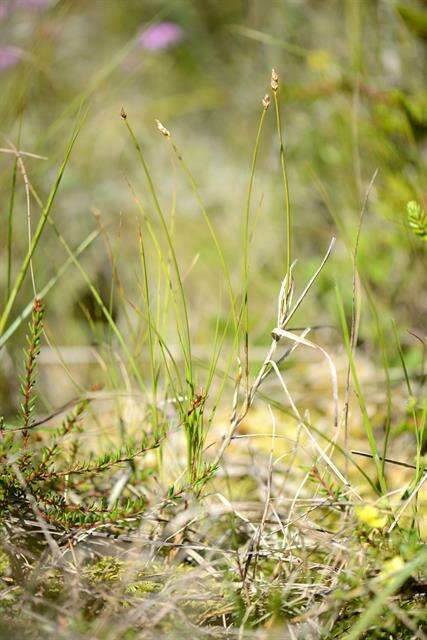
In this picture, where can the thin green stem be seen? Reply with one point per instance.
(10, 229)
(287, 204)
(387, 590)
(246, 242)
(211, 230)
(187, 349)
(360, 396)
(48, 286)
(418, 427)
(38, 232)
(150, 334)
(103, 308)
(10, 218)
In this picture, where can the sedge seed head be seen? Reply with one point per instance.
(266, 101)
(165, 132)
(274, 80)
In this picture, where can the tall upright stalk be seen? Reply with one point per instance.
(150, 340)
(369, 430)
(287, 204)
(10, 229)
(211, 229)
(265, 105)
(157, 206)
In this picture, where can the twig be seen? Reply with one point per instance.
(389, 460)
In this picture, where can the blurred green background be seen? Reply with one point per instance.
(353, 97)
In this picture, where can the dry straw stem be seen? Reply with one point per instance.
(412, 495)
(285, 313)
(37, 513)
(256, 540)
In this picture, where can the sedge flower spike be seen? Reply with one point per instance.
(165, 132)
(274, 80)
(266, 101)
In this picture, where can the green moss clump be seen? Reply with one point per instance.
(108, 569)
(52, 586)
(4, 564)
(142, 588)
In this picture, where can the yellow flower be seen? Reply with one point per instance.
(370, 515)
(319, 60)
(392, 566)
